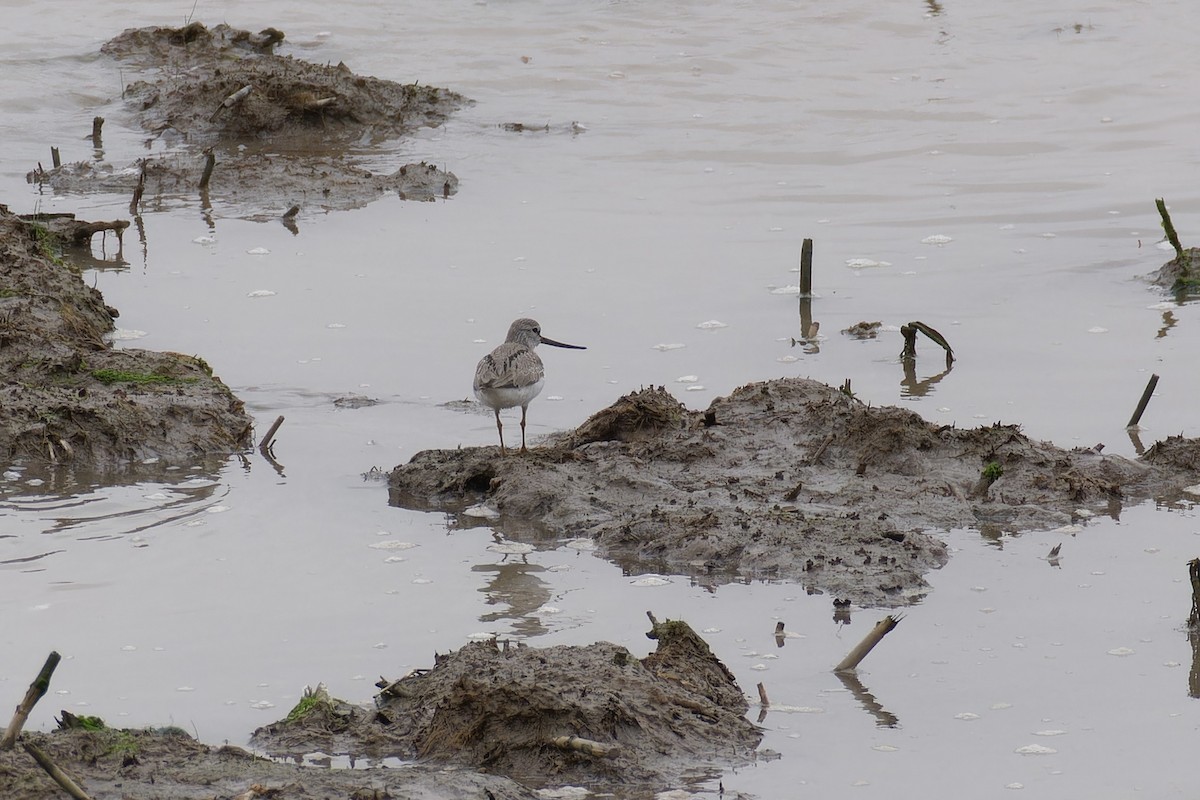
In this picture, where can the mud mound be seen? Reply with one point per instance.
(1175, 453)
(1181, 274)
(788, 479)
(70, 398)
(272, 132)
(593, 715)
(170, 765)
(198, 69)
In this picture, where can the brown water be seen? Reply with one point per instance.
(718, 135)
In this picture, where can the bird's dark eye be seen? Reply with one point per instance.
(537, 330)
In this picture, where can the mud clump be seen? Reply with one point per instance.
(271, 132)
(788, 479)
(1181, 274)
(171, 765)
(593, 715)
(69, 397)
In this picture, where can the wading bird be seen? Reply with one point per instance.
(512, 374)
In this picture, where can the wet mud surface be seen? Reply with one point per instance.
(592, 715)
(69, 398)
(281, 132)
(1180, 275)
(171, 765)
(485, 721)
(788, 479)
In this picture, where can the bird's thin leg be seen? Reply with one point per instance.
(523, 450)
(500, 428)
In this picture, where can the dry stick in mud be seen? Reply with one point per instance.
(61, 778)
(36, 689)
(586, 746)
(55, 158)
(762, 696)
(881, 629)
(1145, 401)
(97, 124)
(231, 101)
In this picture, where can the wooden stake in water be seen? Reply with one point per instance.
(55, 158)
(855, 656)
(806, 268)
(1145, 401)
(210, 162)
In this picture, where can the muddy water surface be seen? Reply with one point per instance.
(1001, 161)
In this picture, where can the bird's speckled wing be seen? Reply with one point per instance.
(509, 366)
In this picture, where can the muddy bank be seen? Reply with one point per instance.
(281, 132)
(484, 721)
(170, 765)
(593, 715)
(788, 479)
(69, 397)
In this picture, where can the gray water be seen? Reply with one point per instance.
(1033, 136)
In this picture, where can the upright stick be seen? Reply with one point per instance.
(806, 268)
(1145, 401)
(36, 689)
(874, 637)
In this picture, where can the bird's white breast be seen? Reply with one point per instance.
(509, 396)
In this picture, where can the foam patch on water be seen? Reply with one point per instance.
(125, 335)
(580, 544)
(511, 548)
(392, 544)
(481, 511)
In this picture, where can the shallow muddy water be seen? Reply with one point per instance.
(1002, 161)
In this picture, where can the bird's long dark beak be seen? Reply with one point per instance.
(553, 343)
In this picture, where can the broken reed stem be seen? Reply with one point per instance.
(97, 124)
(1194, 575)
(587, 746)
(762, 696)
(806, 268)
(874, 637)
(1145, 401)
(1172, 236)
(61, 778)
(265, 444)
(36, 689)
(55, 158)
(208, 168)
